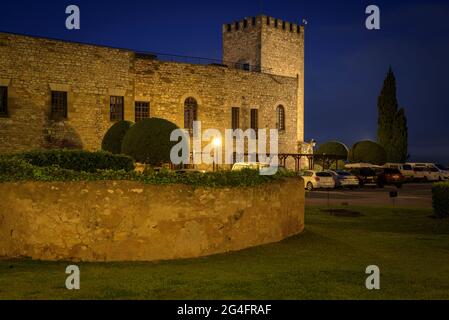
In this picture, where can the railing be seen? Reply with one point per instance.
(201, 61)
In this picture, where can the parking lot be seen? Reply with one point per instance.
(410, 195)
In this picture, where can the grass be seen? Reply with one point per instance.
(327, 261)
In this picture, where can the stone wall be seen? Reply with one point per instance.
(129, 221)
(32, 67)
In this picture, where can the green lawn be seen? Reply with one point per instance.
(327, 261)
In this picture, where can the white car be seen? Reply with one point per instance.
(406, 169)
(318, 180)
(444, 172)
(345, 179)
(425, 171)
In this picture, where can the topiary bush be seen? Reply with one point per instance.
(148, 141)
(112, 140)
(77, 160)
(440, 199)
(367, 151)
(333, 148)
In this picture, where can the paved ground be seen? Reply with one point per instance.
(411, 195)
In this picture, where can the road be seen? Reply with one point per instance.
(411, 195)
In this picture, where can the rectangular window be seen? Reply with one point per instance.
(58, 105)
(235, 118)
(142, 110)
(116, 108)
(3, 101)
(255, 120)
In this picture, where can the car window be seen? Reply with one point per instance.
(308, 174)
(343, 173)
(323, 174)
(407, 167)
(391, 171)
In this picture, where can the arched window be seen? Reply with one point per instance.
(190, 113)
(280, 118)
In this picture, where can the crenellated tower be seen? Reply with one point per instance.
(269, 45)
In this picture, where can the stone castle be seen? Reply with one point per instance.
(62, 94)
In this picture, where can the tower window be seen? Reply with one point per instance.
(291, 27)
(235, 120)
(142, 110)
(280, 118)
(268, 21)
(245, 23)
(117, 106)
(276, 23)
(190, 113)
(237, 25)
(298, 29)
(58, 105)
(283, 25)
(3, 101)
(229, 28)
(253, 21)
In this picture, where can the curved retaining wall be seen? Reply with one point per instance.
(129, 221)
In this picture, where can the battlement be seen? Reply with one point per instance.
(259, 21)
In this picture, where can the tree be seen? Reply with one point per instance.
(369, 152)
(148, 141)
(400, 138)
(333, 148)
(112, 140)
(392, 124)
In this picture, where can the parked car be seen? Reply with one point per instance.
(405, 169)
(425, 172)
(318, 180)
(365, 175)
(344, 179)
(444, 171)
(249, 165)
(388, 176)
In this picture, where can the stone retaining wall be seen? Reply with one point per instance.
(129, 221)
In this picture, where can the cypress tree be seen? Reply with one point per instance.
(387, 107)
(400, 138)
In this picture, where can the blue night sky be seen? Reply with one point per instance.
(345, 63)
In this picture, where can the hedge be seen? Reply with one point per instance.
(148, 141)
(112, 140)
(440, 199)
(77, 160)
(333, 148)
(367, 151)
(14, 169)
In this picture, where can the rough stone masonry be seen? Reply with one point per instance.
(262, 69)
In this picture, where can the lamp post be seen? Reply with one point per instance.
(216, 143)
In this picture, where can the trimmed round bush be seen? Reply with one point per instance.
(148, 141)
(333, 148)
(112, 140)
(77, 160)
(440, 199)
(367, 151)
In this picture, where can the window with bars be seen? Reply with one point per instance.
(235, 118)
(116, 108)
(58, 105)
(280, 123)
(3, 101)
(142, 110)
(255, 119)
(190, 113)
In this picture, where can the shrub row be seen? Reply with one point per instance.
(14, 169)
(440, 199)
(77, 160)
